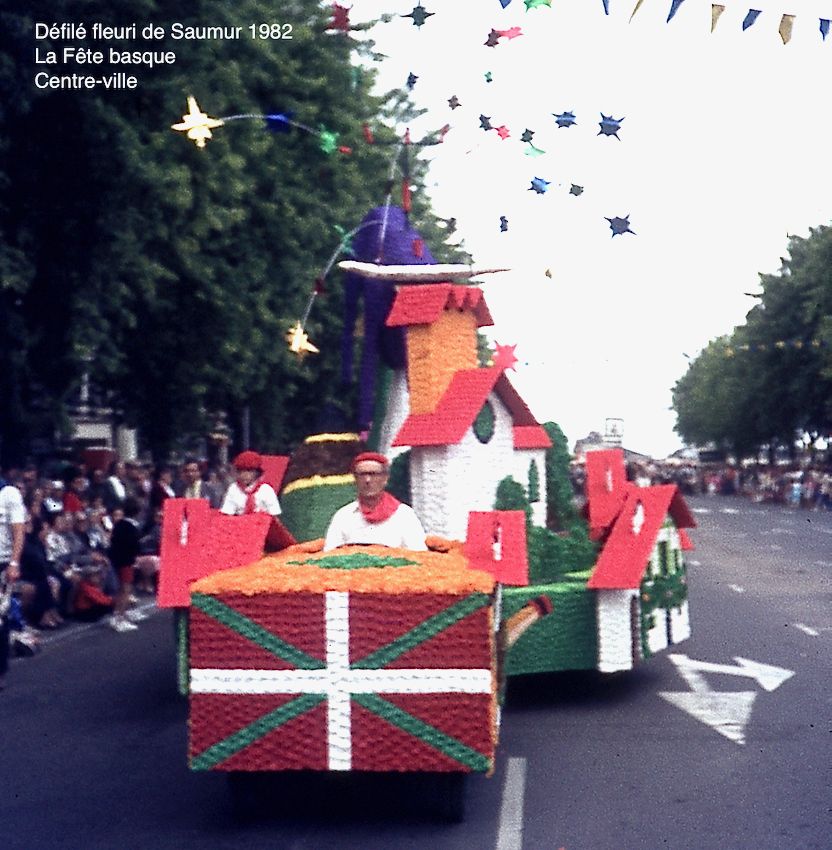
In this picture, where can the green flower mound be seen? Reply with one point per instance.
(356, 561)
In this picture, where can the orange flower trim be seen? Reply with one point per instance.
(432, 572)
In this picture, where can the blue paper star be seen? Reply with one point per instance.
(565, 119)
(539, 185)
(610, 126)
(620, 225)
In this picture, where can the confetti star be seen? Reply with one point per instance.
(299, 341)
(485, 122)
(576, 190)
(534, 4)
(489, 77)
(328, 142)
(510, 33)
(609, 126)
(548, 273)
(504, 356)
(527, 135)
(453, 102)
(531, 150)
(620, 225)
(565, 119)
(502, 132)
(539, 185)
(411, 80)
(503, 224)
(419, 15)
(493, 39)
(196, 124)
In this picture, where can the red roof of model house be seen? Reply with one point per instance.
(459, 405)
(606, 487)
(423, 305)
(624, 557)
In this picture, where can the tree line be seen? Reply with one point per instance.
(770, 380)
(171, 274)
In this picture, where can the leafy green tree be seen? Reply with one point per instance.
(560, 503)
(176, 272)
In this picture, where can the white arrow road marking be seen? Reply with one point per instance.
(767, 676)
(736, 588)
(806, 629)
(727, 713)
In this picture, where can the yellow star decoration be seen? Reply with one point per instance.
(299, 341)
(197, 125)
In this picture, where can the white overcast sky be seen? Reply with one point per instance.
(724, 151)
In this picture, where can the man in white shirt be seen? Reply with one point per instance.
(12, 533)
(249, 493)
(376, 517)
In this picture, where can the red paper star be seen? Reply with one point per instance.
(502, 131)
(340, 18)
(504, 356)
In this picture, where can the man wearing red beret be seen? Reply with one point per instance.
(376, 517)
(249, 493)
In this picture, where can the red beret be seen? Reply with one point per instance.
(248, 460)
(378, 458)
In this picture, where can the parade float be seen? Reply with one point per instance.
(377, 659)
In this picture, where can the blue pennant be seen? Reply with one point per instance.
(750, 18)
(674, 8)
(824, 27)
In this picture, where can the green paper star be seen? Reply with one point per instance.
(328, 141)
(533, 4)
(531, 150)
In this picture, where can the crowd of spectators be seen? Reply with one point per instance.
(92, 542)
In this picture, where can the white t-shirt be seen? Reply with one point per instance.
(402, 530)
(12, 512)
(265, 500)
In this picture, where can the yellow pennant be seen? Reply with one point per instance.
(716, 10)
(636, 8)
(786, 28)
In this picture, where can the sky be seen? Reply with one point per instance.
(723, 152)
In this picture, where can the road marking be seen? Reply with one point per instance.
(696, 563)
(726, 712)
(75, 629)
(808, 630)
(701, 510)
(729, 510)
(736, 588)
(822, 563)
(775, 548)
(510, 831)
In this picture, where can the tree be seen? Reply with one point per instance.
(175, 271)
(560, 504)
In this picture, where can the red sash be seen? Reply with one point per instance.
(250, 507)
(382, 510)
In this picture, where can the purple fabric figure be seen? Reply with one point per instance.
(386, 238)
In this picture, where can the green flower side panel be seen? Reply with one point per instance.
(565, 640)
(308, 510)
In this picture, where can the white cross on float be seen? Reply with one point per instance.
(337, 681)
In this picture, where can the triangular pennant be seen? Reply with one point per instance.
(786, 28)
(606, 6)
(674, 8)
(716, 10)
(636, 8)
(750, 18)
(824, 28)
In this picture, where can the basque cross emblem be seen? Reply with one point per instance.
(339, 682)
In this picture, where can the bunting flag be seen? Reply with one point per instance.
(751, 18)
(785, 29)
(824, 28)
(342, 681)
(606, 6)
(674, 8)
(636, 8)
(716, 10)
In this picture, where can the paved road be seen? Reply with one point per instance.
(93, 734)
